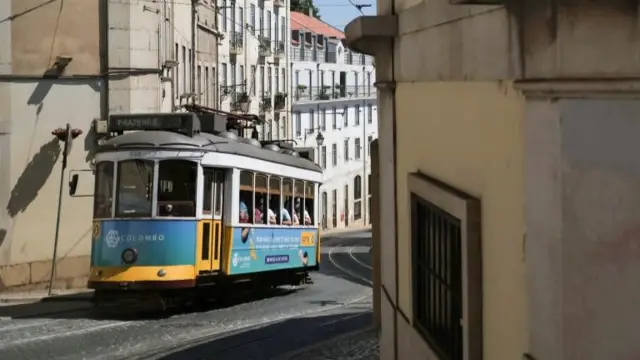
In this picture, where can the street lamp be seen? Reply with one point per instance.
(319, 141)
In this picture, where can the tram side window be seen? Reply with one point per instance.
(177, 181)
(103, 194)
(287, 202)
(246, 197)
(274, 209)
(298, 188)
(135, 188)
(261, 193)
(309, 198)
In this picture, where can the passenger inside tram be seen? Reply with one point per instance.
(286, 217)
(244, 213)
(307, 217)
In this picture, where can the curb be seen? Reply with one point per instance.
(345, 232)
(293, 353)
(72, 297)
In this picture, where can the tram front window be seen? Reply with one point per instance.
(135, 186)
(177, 188)
(103, 194)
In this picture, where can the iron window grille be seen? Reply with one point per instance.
(446, 268)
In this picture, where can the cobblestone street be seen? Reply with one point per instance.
(358, 346)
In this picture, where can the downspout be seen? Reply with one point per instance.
(194, 11)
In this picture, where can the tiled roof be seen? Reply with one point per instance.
(300, 21)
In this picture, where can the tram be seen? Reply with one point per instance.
(182, 205)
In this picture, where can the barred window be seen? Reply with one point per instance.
(437, 274)
(446, 268)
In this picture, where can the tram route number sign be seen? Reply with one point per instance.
(132, 122)
(307, 239)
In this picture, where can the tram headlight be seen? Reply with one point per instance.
(129, 256)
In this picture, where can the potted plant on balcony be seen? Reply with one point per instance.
(324, 93)
(279, 100)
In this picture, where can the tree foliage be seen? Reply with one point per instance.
(304, 6)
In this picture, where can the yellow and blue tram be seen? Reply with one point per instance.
(181, 206)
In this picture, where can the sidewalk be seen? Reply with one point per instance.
(26, 297)
(361, 345)
(340, 231)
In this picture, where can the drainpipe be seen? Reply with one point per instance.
(194, 19)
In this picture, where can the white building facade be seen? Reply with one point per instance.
(332, 93)
(253, 61)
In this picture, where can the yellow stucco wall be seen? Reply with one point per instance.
(470, 136)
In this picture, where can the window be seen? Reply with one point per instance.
(356, 82)
(369, 184)
(240, 23)
(253, 79)
(252, 18)
(334, 208)
(176, 73)
(369, 114)
(103, 194)
(261, 197)
(345, 116)
(323, 156)
(213, 192)
(312, 121)
(346, 150)
(298, 118)
(334, 120)
(276, 28)
(369, 83)
(184, 71)
(207, 99)
(262, 80)
(445, 268)
(298, 194)
(188, 75)
(323, 120)
(369, 141)
(241, 83)
(276, 81)
(274, 201)
(334, 155)
(357, 198)
(268, 35)
(224, 77)
(308, 212)
(246, 197)
(324, 210)
(284, 80)
(135, 188)
(357, 148)
(177, 188)
(233, 75)
(224, 15)
(262, 27)
(357, 117)
(287, 197)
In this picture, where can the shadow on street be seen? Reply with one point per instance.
(272, 341)
(81, 307)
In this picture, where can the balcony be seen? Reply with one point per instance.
(236, 43)
(280, 53)
(265, 47)
(265, 105)
(279, 101)
(327, 92)
(278, 3)
(240, 103)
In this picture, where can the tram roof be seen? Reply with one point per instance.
(167, 140)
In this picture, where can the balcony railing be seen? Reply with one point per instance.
(265, 47)
(236, 43)
(327, 92)
(280, 54)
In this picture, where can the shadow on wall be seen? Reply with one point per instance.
(90, 144)
(33, 177)
(3, 234)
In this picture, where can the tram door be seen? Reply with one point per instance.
(211, 224)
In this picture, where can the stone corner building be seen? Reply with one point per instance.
(507, 208)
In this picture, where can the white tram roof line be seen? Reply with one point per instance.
(226, 143)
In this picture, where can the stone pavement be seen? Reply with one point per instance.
(361, 345)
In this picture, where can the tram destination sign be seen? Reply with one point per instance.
(159, 122)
